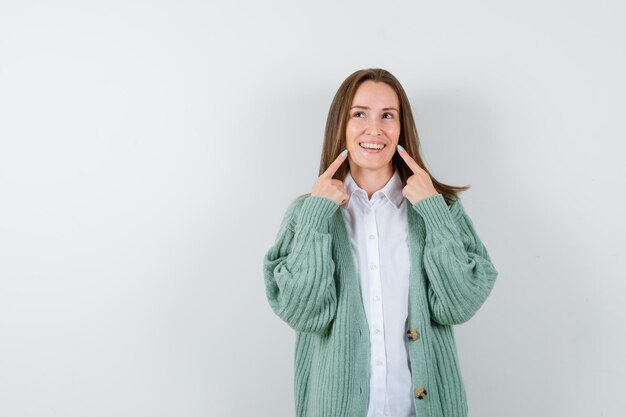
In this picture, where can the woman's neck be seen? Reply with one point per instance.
(371, 180)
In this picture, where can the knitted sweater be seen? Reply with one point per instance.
(312, 284)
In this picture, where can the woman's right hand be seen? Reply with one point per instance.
(326, 186)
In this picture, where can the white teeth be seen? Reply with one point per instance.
(371, 145)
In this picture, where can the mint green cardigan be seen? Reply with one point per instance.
(311, 284)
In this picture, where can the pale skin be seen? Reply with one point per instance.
(374, 118)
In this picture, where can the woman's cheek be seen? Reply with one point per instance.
(352, 132)
(393, 132)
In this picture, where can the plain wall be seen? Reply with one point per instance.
(149, 150)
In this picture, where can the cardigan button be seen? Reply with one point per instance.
(420, 393)
(412, 334)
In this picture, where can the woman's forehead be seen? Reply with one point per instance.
(375, 95)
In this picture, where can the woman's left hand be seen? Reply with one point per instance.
(419, 185)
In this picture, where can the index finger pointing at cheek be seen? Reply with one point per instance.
(409, 161)
(334, 166)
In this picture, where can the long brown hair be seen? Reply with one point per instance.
(335, 132)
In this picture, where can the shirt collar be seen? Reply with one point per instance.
(392, 190)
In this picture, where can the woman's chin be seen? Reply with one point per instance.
(371, 164)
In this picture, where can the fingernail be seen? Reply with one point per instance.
(400, 148)
(345, 152)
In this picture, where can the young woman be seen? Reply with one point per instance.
(375, 265)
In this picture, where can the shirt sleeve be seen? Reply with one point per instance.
(299, 269)
(458, 266)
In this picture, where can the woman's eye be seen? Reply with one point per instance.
(359, 113)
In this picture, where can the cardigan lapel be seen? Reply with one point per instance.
(346, 268)
(416, 234)
(342, 248)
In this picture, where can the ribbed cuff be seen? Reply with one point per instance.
(434, 211)
(315, 211)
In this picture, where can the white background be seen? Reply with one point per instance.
(149, 150)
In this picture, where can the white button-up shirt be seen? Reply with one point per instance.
(378, 235)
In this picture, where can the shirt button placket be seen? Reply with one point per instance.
(377, 327)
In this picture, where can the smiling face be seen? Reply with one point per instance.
(374, 122)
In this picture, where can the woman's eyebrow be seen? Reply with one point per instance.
(367, 108)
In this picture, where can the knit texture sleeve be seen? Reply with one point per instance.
(459, 268)
(299, 269)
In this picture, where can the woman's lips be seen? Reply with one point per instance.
(372, 150)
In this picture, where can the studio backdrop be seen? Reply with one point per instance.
(149, 150)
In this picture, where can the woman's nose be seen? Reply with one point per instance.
(373, 128)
